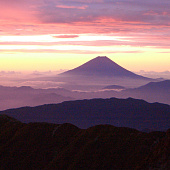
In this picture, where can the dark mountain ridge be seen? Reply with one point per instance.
(132, 113)
(65, 146)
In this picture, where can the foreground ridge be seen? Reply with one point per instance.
(133, 113)
(65, 146)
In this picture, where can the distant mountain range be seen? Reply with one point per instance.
(65, 146)
(152, 92)
(49, 136)
(129, 112)
(13, 97)
(156, 86)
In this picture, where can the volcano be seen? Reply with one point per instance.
(98, 73)
(101, 66)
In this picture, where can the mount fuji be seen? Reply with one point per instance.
(98, 73)
(102, 66)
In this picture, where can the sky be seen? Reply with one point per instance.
(45, 35)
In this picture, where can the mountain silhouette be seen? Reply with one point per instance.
(130, 112)
(156, 86)
(151, 92)
(65, 146)
(102, 66)
(14, 97)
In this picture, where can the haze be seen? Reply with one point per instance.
(40, 39)
(97, 78)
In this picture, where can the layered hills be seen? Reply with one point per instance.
(13, 97)
(151, 92)
(49, 136)
(130, 112)
(65, 146)
(93, 79)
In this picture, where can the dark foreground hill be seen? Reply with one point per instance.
(65, 146)
(130, 112)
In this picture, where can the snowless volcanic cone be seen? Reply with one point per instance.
(101, 66)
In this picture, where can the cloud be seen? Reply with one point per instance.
(133, 41)
(9, 73)
(125, 10)
(91, 15)
(73, 11)
(153, 74)
(66, 36)
(41, 84)
(69, 51)
(130, 18)
(71, 7)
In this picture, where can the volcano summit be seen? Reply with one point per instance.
(101, 66)
(101, 71)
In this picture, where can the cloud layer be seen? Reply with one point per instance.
(85, 26)
(112, 16)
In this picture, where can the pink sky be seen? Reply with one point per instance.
(53, 35)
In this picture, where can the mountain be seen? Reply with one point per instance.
(13, 97)
(100, 71)
(156, 86)
(152, 92)
(95, 74)
(129, 112)
(102, 66)
(65, 146)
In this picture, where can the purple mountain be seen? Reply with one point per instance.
(101, 66)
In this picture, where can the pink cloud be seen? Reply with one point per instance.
(66, 36)
(133, 40)
(67, 51)
(71, 7)
(129, 18)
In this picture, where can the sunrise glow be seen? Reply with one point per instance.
(54, 35)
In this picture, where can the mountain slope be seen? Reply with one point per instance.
(64, 146)
(129, 112)
(151, 92)
(13, 97)
(156, 86)
(102, 67)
